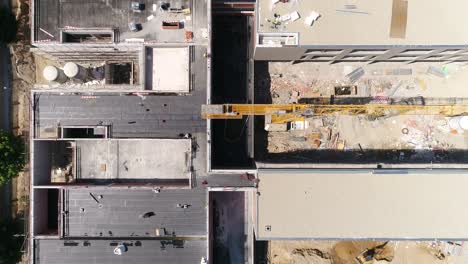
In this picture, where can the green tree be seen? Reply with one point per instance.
(11, 156)
(8, 24)
(10, 242)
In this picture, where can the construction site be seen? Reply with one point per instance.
(268, 131)
(414, 127)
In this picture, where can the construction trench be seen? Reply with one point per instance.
(230, 77)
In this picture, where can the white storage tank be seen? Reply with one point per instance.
(458, 123)
(74, 71)
(53, 74)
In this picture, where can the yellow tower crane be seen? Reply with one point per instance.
(283, 113)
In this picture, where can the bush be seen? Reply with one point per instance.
(9, 25)
(11, 156)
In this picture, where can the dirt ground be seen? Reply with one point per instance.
(23, 79)
(345, 252)
(319, 79)
(358, 133)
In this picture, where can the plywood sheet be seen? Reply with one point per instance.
(399, 19)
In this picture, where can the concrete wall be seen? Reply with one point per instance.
(342, 53)
(253, 200)
(87, 53)
(42, 162)
(210, 228)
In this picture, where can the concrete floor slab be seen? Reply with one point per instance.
(355, 204)
(134, 159)
(121, 210)
(55, 251)
(369, 23)
(129, 116)
(52, 16)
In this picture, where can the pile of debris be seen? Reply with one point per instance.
(307, 134)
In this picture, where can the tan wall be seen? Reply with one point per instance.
(362, 204)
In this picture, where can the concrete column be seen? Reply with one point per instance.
(424, 56)
(388, 54)
(340, 56)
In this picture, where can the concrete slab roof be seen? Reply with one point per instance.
(52, 16)
(134, 159)
(129, 116)
(171, 70)
(362, 204)
(120, 213)
(369, 22)
(55, 251)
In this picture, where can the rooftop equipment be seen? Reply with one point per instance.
(52, 74)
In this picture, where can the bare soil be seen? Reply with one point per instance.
(23, 70)
(345, 252)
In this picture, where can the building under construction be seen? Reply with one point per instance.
(186, 131)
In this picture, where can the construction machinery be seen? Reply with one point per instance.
(284, 113)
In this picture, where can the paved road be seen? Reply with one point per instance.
(5, 113)
(5, 82)
(5, 88)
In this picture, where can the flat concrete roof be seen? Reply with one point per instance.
(369, 23)
(120, 213)
(51, 16)
(129, 116)
(55, 251)
(134, 159)
(171, 70)
(362, 204)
